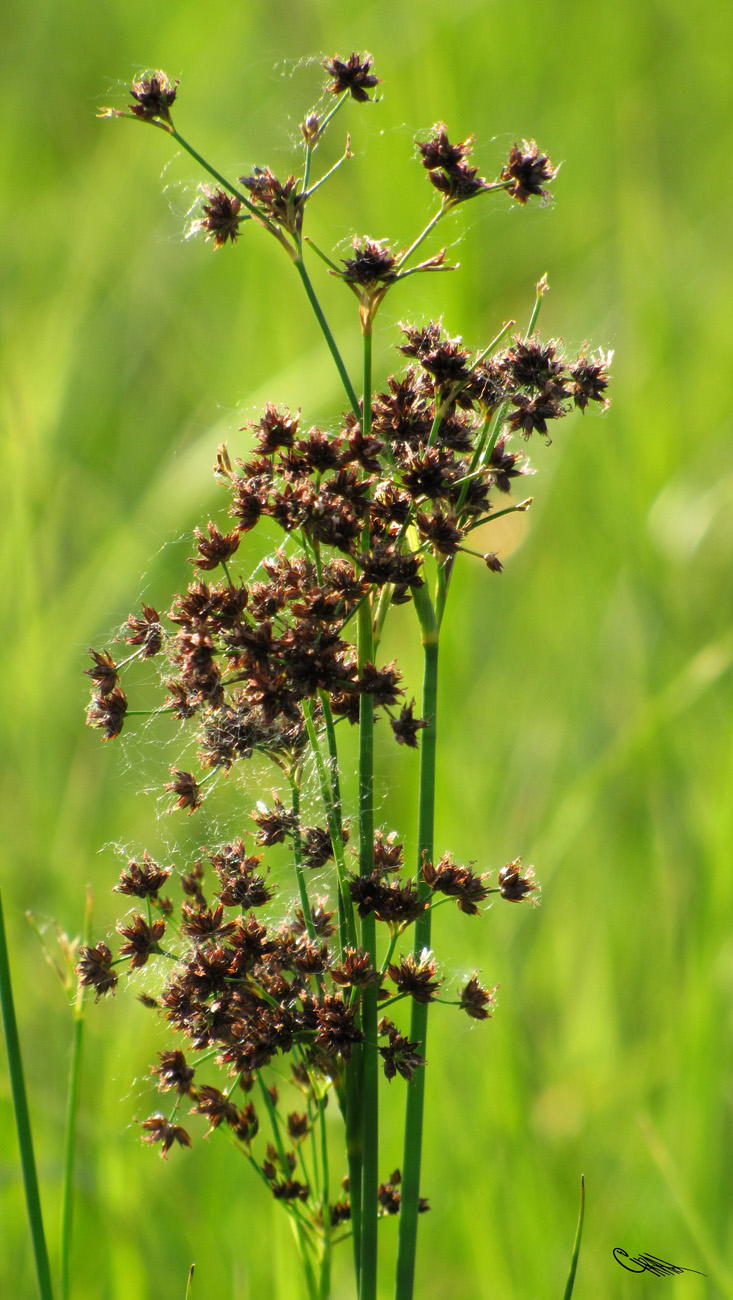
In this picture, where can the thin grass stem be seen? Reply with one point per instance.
(414, 1108)
(72, 1111)
(22, 1120)
(370, 1058)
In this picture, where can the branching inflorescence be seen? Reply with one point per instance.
(372, 515)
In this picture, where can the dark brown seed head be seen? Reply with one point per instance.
(405, 728)
(185, 786)
(142, 880)
(516, 882)
(153, 96)
(215, 549)
(103, 671)
(94, 969)
(354, 76)
(146, 631)
(158, 1129)
(141, 939)
(173, 1072)
(221, 219)
(108, 713)
(528, 170)
(372, 263)
(416, 978)
(590, 379)
(476, 1001)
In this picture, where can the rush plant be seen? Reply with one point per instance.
(281, 1004)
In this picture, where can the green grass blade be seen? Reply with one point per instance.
(22, 1120)
(576, 1245)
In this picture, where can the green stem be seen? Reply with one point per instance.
(332, 754)
(22, 1120)
(370, 1058)
(334, 825)
(419, 1020)
(298, 860)
(326, 1210)
(227, 185)
(330, 340)
(72, 1109)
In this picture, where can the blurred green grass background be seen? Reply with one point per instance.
(586, 705)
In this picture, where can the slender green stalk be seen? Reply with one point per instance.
(332, 754)
(334, 824)
(189, 1284)
(298, 861)
(414, 1108)
(326, 331)
(72, 1110)
(370, 1057)
(22, 1120)
(326, 1259)
(576, 1245)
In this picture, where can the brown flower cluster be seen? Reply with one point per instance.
(243, 658)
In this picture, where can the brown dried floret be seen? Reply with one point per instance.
(221, 219)
(380, 683)
(108, 713)
(516, 881)
(337, 1030)
(215, 549)
(279, 200)
(373, 263)
(159, 1129)
(388, 852)
(290, 1190)
(493, 563)
(399, 1055)
(417, 978)
(272, 826)
(204, 922)
(456, 882)
(298, 1126)
(141, 939)
(590, 379)
(406, 727)
(186, 787)
(387, 563)
(355, 970)
(153, 96)
(477, 1001)
(146, 632)
(532, 413)
(217, 1108)
(174, 1072)
(103, 671)
(353, 76)
(528, 170)
(94, 969)
(142, 880)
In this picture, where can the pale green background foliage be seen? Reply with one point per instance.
(586, 715)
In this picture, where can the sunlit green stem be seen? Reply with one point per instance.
(370, 1058)
(227, 185)
(423, 235)
(298, 861)
(72, 1108)
(22, 1120)
(414, 1108)
(326, 331)
(334, 824)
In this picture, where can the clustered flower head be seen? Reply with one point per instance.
(261, 664)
